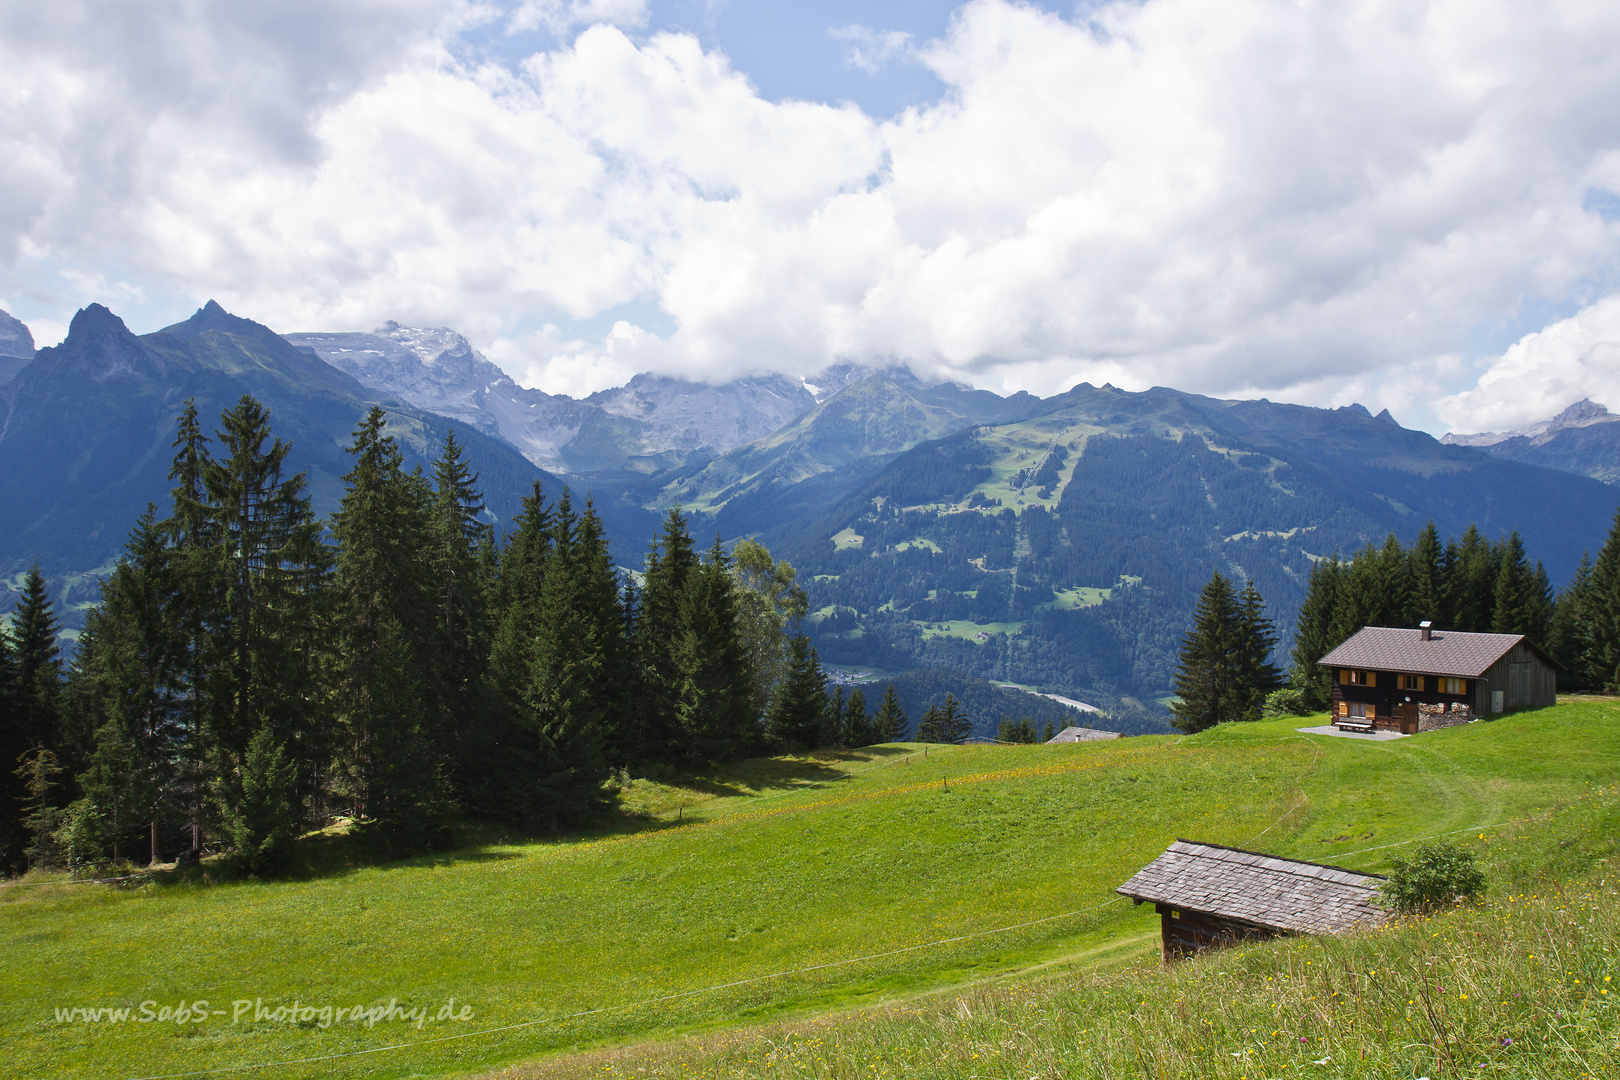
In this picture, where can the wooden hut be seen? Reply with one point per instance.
(1208, 896)
(1387, 679)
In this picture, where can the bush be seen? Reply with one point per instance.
(83, 836)
(1287, 702)
(264, 821)
(1435, 876)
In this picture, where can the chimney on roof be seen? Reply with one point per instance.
(1425, 627)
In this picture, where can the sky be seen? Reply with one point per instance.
(1411, 205)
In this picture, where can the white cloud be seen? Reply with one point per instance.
(1543, 373)
(1297, 200)
(561, 16)
(871, 50)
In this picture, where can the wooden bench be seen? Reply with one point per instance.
(1364, 726)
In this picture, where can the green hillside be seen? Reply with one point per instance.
(770, 889)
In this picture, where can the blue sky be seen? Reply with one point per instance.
(797, 50)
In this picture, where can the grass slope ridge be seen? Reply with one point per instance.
(770, 890)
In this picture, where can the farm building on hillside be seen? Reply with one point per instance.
(1404, 680)
(1208, 896)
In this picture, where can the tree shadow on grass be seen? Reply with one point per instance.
(341, 850)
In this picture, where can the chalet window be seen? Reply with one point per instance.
(1454, 686)
(1409, 682)
(1358, 710)
(1358, 678)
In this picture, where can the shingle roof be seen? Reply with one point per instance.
(1447, 652)
(1080, 734)
(1263, 890)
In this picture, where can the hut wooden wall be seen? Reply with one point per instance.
(1187, 933)
(1532, 686)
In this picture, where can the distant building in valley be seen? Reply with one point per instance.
(1389, 679)
(1208, 896)
(1080, 734)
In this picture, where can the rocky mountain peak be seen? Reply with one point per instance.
(1583, 412)
(211, 316)
(15, 338)
(101, 347)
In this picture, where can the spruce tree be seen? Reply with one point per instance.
(954, 725)
(713, 677)
(387, 625)
(1512, 598)
(1257, 638)
(794, 721)
(929, 728)
(1208, 679)
(13, 834)
(1569, 630)
(569, 681)
(196, 601)
(1603, 613)
(833, 719)
(1471, 583)
(267, 568)
(461, 599)
(137, 660)
(1315, 636)
(1427, 574)
(858, 729)
(890, 723)
(519, 582)
(670, 563)
(38, 663)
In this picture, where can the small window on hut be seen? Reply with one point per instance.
(1409, 682)
(1362, 678)
(1358, 710)
(1454, 686)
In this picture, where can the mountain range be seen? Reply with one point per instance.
(1056, 543)
(1584, 439)
(649, 426)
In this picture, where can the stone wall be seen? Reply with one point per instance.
(1434, 717)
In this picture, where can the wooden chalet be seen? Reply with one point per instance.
(1387, 679)
(1208, 896)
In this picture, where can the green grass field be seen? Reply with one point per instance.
(766, 893)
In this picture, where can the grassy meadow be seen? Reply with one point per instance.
(777, 891)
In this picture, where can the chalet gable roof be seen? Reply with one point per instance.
(1447, 652)
(1263, 890)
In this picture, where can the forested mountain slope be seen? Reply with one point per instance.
(1065, 549)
